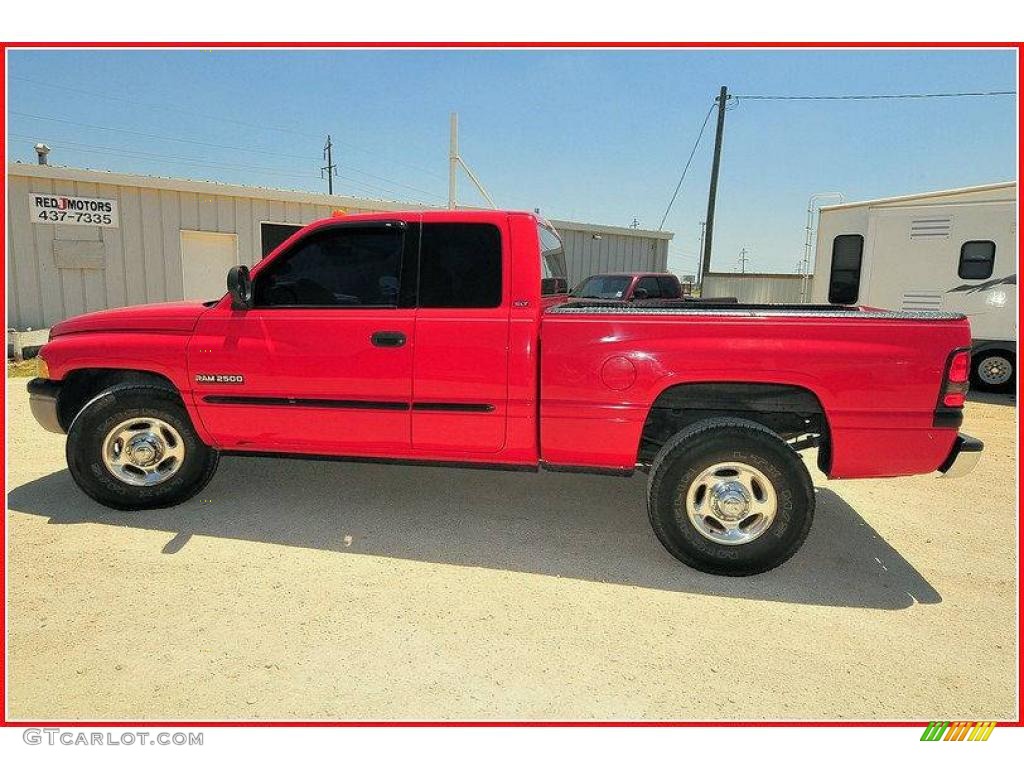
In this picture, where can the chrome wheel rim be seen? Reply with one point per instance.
(143, 451)
(995, 370)
(731, 503)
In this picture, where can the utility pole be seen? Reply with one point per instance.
(723, 96)
(453, 157)
(743, 261)
(700, 256)
(331, 168)
(455, 160)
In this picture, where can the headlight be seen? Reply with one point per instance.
(44, 369)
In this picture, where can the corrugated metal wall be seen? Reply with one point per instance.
(589, 253)
(140, 260)
(142, 257)
(754, 288)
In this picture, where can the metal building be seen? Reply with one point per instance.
(82, 240)
(753, 287)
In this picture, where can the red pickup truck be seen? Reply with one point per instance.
(427, 337)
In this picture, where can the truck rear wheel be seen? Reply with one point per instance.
(729, 497)
(995, 370)
(133, 447)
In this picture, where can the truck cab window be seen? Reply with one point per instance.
(649, 285)
(335, 267)
(844, 283)
(460, 266)
(669, 287)
(552, 261)
(977, 260)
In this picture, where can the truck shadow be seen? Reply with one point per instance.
(572, 526)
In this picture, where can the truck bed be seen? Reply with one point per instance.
(875, 373)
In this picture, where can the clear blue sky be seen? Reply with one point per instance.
(598, 136)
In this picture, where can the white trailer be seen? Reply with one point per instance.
(953, 251)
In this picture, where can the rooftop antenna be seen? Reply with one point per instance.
(455, 160)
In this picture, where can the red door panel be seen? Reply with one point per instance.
(312, 379)
(460, 383)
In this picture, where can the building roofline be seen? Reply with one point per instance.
(69, 173)
(602, 229)
(921, 195)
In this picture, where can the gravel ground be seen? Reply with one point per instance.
(320, 590)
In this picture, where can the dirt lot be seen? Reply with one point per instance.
(343, 591)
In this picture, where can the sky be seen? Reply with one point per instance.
(594, 136)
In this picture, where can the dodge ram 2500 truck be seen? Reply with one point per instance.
(428, 337)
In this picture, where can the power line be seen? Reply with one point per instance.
(198, 142)
(874, 96)
(687, 166)
(198, 162)
(207, 116)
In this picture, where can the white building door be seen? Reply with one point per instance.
(206, 258)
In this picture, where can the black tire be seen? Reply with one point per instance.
(683, 459)
(90, 428)
(985, 358)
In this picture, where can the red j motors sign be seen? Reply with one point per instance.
(62, 209)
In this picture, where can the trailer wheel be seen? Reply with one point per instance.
(133, 447)
(995, 370)
(727, 496)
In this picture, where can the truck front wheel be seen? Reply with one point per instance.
(729, 497)
(133, 447)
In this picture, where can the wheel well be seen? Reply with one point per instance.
(787, 410)
(79, 387)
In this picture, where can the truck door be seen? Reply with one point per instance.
(460, 358)
(322, 363)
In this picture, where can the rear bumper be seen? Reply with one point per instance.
(42, 399)
(963, 457)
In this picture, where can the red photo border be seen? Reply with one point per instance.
(4, 722)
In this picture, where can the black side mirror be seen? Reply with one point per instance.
(640, 293)
(240, 287)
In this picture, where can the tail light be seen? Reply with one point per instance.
(956, 381)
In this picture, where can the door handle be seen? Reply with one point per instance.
(388, 339)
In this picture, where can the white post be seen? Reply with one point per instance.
(453, 158)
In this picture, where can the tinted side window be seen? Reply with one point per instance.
(272, 235)
(650, 285)
(844, 283)
(460, 266)
(336, 267)
(977, 260)
(669, 287)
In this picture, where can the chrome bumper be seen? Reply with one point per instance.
(42, 399)
(963, 457)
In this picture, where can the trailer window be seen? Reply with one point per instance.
(977, 260)
(844, 283)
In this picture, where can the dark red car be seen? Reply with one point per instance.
(426, 337)
(630, 286)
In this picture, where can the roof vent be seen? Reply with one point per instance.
(934, 227)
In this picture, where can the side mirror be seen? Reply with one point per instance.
(640, 293)
(240, 287)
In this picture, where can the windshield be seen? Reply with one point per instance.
(602, 287)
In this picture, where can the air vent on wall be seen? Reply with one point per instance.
(918, 300)
(934, 227)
